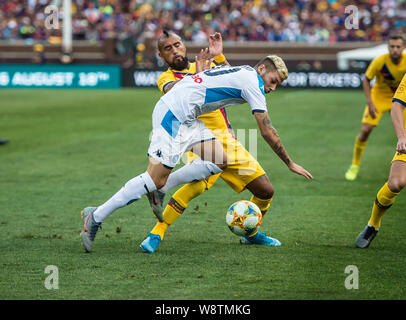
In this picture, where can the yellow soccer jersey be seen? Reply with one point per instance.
(387, 74)
(400, 94)
(216, 120)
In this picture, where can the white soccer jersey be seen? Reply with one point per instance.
(216, 88)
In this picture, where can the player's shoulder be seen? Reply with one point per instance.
(382, 58)
(165, 74)
(247, 75)
(247, 70)
(251, 80)
(252, 74)
(229, 70)
(403, 59)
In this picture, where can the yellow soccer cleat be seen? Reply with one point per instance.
(352, 172)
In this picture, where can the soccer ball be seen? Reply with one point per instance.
(243, 218)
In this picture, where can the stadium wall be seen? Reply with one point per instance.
(60, 76)
(310, 65)
(133, 77)
(86, 52)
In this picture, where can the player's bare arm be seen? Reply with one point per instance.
(399, 126)
(271, 136)
(216, 47)
(169, 86)
(366, 86)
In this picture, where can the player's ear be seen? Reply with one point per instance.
(261, 68)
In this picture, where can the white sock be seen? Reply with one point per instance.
(193, 171)
(133, 190)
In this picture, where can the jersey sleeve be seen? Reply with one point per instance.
(400, 94)
(164, 79)
(254, 93)
(373, 68)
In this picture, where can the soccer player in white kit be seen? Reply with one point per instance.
(176, 129)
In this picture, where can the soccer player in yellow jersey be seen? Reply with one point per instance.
(397, 178)
(243, 171)
(388, 70)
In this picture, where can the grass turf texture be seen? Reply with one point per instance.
(72, 149)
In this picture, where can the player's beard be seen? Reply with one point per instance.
(395, 58)
(179, 65)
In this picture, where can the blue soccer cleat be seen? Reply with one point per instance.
(262, 239)
(150, 244)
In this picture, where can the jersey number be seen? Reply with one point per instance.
(197, 78)
(213, 72)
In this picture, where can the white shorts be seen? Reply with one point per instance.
(171, 138)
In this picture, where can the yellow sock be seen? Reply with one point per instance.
(384, 200)
(359, 148)
(160, 228)
(263, 205)
(177, 204)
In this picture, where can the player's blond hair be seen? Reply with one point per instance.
(274, 62)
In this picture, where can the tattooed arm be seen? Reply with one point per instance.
(271, 136)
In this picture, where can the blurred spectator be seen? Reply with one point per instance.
(39, 55)
(317, 65)
(134, 21)
(303, 66)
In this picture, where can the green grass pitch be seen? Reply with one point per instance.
(71, 149)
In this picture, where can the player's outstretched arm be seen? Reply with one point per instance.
(399, 126)
(271, 136)
(216, 48)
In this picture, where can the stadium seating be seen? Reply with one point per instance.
(255, 20)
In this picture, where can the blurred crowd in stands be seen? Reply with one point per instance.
(254, 20)
(135, 23)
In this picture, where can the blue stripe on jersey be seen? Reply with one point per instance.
(261, 84)
(171, 124)
(163, 88)
(400, 101)
(222, 93)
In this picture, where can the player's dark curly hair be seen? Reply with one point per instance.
(165, 35)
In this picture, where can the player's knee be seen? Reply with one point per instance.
(365, 132)
(396, 184)
(160, 181)
(363, 136)
(266, 192)
(270, 191)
